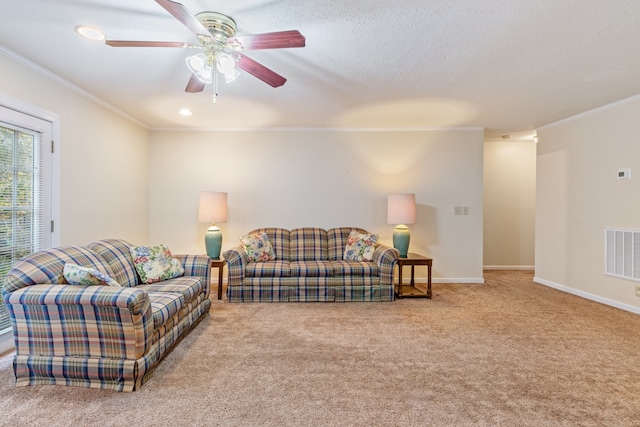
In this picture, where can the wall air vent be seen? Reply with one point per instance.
(622, 253)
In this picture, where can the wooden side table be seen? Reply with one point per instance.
(410, 290)
(219, 264)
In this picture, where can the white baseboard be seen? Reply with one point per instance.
(509, 267)
(587, 295)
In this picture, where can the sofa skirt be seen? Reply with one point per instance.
(113, 374)
(311, 289)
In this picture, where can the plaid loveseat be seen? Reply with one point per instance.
(98, 336)
(309, 266)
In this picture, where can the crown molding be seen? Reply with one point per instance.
(592, 112)
(317, 129)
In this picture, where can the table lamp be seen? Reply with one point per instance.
(213, 208)
(401, 210)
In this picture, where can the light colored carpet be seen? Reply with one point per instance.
(505, 353)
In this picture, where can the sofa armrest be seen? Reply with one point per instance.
(386, 258)
(197, 266)
(236, 258)
(83, 321)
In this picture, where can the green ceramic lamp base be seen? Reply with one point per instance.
(401, 239)
(213, 242)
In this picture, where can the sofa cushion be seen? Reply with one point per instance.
(308, 244)
(337, 241)
(85, 276)
(355, 268)
(311, 269)
(278, 268)
(189, 287)
(155, 263)
(163, 306)
(117, 254)
(46, 266)
(360, 247)
(258, 247)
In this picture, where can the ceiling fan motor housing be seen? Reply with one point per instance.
(220, 26)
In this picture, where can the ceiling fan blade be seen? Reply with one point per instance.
(183, 15)
(194, 85)
(260, 71)
(131, 43)
(277, 40)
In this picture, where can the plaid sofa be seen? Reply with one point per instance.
(98, 336)
(309, 266)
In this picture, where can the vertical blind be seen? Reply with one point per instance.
(21, 203)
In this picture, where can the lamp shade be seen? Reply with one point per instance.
(401, 209)
(212, 207)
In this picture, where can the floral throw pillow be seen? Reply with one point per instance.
(360, 247)
(77, 275)
(155, 263)
(258, 247)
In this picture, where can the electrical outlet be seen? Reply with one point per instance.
(638, 291)
(461, 210)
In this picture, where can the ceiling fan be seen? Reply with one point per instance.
(221, 48)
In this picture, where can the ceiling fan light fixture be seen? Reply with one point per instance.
(228, 78)
(200, 66)
(205, 75)
(196, 63)
(226, 64)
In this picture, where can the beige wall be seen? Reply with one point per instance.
(103, 159)
(325, 179)
(579, 195)
(509, 204)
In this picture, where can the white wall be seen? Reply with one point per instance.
(509, 204)
(103, 159)
(325, 179)
(579, 195)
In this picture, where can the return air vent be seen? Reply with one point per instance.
(622, 252)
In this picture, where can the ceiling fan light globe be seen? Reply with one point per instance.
(196, 63)
(225, 64)
(228, 78)
(205, 75)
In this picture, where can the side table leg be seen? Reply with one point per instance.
(412, 283)
(220, 271)
(399, 281)
(429, 281)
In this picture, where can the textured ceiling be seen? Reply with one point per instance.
(504, 65)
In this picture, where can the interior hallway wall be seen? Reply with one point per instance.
(509, 204)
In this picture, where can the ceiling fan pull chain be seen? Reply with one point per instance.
(215, 84)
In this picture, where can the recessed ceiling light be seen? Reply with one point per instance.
(185, 112)
(90, 33)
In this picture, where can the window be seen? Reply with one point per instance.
(25, 193)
